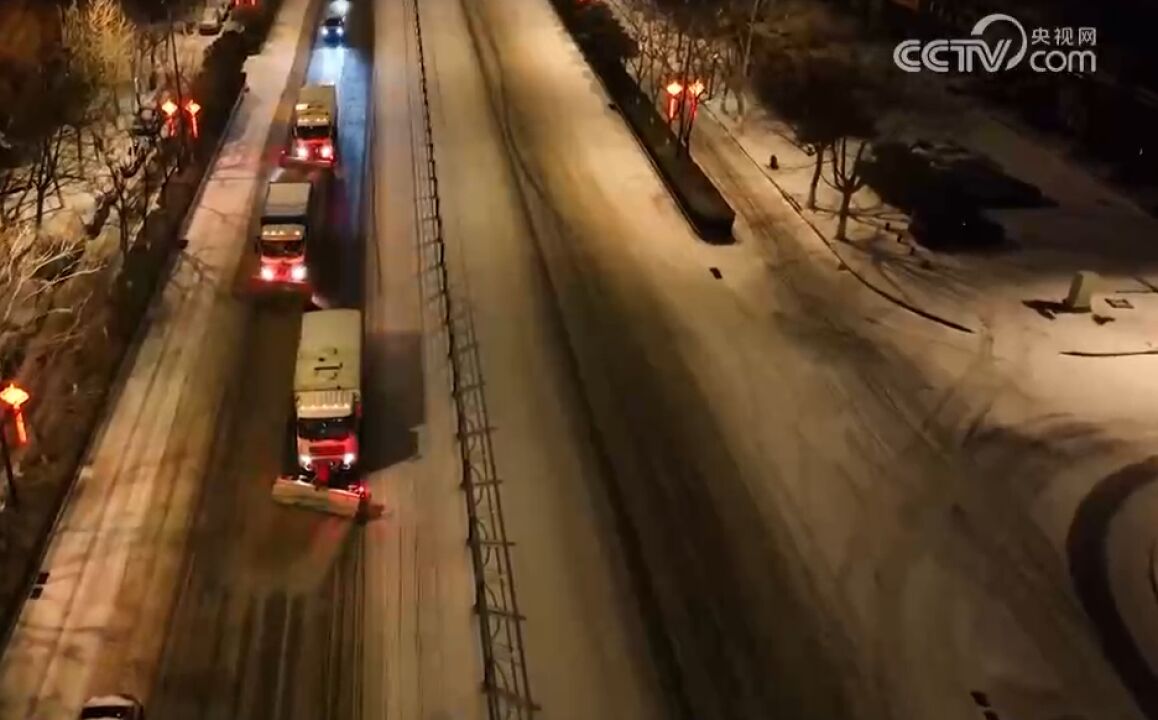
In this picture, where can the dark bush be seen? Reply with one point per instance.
(256, 21)
(178, 193)
(606, 45)
(150, 250)
(227, 50)
(596, 25)
(216, 88)
(604, 42)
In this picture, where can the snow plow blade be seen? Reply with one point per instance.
(289, 490)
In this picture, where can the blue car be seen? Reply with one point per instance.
(334, 28)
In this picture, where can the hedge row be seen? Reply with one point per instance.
(216, 88)
(256, 21)
(603, 41)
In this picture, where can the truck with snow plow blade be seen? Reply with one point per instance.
(315, 126)
(326, 416)
(286, 224)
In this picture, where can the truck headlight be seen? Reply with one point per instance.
(298, 273)
(305, 461)
(349, 458)
(266, 273)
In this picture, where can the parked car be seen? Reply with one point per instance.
(334, 28)
(210, 23)
(113, 707)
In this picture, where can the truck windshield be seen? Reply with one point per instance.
(106, 712)
(315, 132)
(291, 248)
(325, 429)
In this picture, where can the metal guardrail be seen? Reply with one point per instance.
(505, 679)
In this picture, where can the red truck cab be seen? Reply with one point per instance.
(315, 126)
(285, 231)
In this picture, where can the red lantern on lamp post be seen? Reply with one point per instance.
(683, 101)
(193, 107)
(675, 91)
(170, 109)
(12, 397)
(694, 92)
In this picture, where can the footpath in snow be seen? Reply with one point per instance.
(1015, 290)
(113, 563)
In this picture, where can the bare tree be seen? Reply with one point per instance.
(102, 40)
(695, 27)
(846, 175)
(44, 106)
(45, 175)
(37, 285)
(52, 101)
(655, 44)
(742, 19)
(187, 63)
(833, 105)
(786, 29)
(149, 58)
(13, 191)
(115, 177)
(782, 83)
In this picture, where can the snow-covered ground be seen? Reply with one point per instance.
(421, 638)
(584, 637)
(1082, 424)
(1024, 435)
(1089, 227)
(767, 493)
(840, 509)
(114, 561)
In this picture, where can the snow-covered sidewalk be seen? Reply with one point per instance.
(1088, 228)
(113, 563)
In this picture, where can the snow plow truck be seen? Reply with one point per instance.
(327, 410)
(315, 126)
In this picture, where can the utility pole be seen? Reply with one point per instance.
(177, 82)
(9, 476)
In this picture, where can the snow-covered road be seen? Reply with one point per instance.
(114, 563)
(422, 657)
(809, 523)
(738, 484)
(293, 614)
(269, 620)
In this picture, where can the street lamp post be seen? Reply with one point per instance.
(683, 101)
(170, 109)
(193, 107)
(177, 83)
(9, 476)
(12, 397)
(675, 92)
